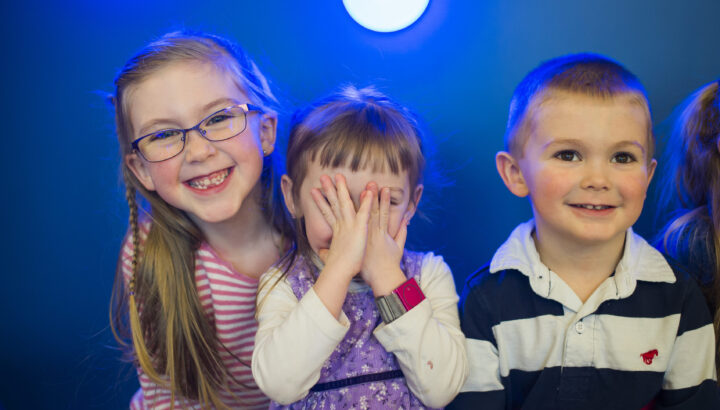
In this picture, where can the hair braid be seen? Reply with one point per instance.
(141, 351)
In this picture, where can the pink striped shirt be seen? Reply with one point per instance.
(228, 299)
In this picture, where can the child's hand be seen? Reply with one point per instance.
(349, 227)
(381, 267)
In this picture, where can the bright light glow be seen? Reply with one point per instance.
(385, 15)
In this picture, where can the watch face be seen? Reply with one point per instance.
(410, 294)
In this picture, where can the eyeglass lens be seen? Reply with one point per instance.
(219, 126)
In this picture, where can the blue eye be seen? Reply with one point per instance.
(164, 134)
(567, 155)
(623, 158)
(218, 119)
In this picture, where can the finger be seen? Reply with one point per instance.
(324, 207)
(363, 213)
(374, 205)
(331, 195)
(385, 208)
(401, 236)
(347, 208)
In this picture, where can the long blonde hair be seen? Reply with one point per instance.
(172, 339)
(695, 161)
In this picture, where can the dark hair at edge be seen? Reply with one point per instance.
(588, 74)
(692, 190)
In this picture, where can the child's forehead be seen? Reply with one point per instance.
(563, 115)
(561, 99)
(182, 91)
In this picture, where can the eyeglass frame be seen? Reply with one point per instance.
(245, 107)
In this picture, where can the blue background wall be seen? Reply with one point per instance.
(64, 214)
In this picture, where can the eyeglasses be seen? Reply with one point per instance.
(218, 126)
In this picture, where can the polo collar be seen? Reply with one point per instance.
(640, 261)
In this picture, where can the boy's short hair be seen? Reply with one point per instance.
(587, 74)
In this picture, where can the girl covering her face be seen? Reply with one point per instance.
(350, 319)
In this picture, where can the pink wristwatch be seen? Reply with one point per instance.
(403, 298)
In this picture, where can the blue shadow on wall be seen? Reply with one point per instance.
(456, 67)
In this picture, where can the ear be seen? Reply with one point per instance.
(414, 201)
(651, 170)
(286, 185)
(268, 132)
(510, 172)
(139, 168)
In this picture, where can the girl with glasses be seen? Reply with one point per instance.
(196, 128)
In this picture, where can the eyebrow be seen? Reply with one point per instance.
(626, 143)
(574, 141)
(205, 108)
(225, 100)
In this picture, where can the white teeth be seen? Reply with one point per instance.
(209, 181)
(593, 207)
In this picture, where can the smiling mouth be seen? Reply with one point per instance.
(592, 207)
(210, 180)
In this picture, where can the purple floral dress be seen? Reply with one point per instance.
(359, 356)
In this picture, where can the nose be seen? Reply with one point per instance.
(596, 177)
(197, 148)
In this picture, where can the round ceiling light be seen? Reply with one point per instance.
(385, 15)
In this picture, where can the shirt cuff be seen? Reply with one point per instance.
(393, 335)
(325, 321)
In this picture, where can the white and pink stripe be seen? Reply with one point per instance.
(228, 299)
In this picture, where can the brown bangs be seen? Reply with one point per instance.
(360, 137)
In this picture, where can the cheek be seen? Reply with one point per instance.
(319, 232)
(244, 151)
(547, 183)
(634, 188)
(165, 176)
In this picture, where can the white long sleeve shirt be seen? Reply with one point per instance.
(296, 337)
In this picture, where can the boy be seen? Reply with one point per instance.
(575, 310)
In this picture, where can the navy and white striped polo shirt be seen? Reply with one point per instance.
(644, 335)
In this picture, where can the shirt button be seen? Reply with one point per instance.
(579, 327)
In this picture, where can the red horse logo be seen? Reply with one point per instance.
(649, 356)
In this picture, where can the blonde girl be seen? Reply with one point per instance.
(692, 240)
(196, 127)
(350, 319)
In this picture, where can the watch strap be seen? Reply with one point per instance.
(403, 298)
(390, 307)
